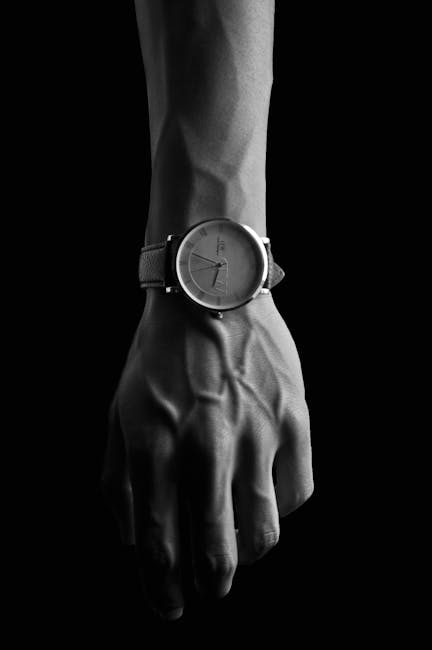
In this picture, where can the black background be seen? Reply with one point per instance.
(320, 177)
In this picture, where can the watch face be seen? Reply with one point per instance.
(221, 264)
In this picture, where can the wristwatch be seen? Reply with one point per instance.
(218, 264)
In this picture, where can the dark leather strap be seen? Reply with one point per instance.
(275, 273)
(156, 265)
(152, 265)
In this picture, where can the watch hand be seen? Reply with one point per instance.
(212, 266)
(217, 273)
(205, 258)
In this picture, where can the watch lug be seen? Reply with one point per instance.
(265, 240)
(170, 237)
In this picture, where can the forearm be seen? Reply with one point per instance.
(209, 74)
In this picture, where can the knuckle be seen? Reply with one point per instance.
(207, 427)
(298, 428)
(264, 542)
(305, 493)
(298, 497)
(213, 447)
(220, 566)
(261, 543)
(162, 448)
(299, 417)
(159, 555)
(152, 445)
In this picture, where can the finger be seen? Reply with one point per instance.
(115, 482)
(154, 483)
(208, 487)
(293, 463)
(255, 500)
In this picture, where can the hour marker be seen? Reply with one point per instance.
(188, 281)
(189, 244)
(183, 263)
(202, 232)
(201, 295)
(218, 300)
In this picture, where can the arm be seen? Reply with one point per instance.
(207, 412)
(209, 76)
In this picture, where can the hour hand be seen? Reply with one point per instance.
(221, 276)
(210, 266)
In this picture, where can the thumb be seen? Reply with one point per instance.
(115, 483)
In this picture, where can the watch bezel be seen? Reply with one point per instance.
(257, 240)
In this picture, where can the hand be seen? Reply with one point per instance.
(217, 265)
(207, 259)
(206, 410)
(216, 280)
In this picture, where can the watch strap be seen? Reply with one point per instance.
(152, 265)
(275, 273)
(156, 264)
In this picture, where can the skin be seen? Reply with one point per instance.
(209, 414)
(209, 74)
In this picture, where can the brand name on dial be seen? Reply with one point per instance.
(220, 246)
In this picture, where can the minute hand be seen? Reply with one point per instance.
(207, 259)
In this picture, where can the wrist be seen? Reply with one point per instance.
(217, 264)
(190, 184)
(175, 308)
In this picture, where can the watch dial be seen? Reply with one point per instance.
(221, 264)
